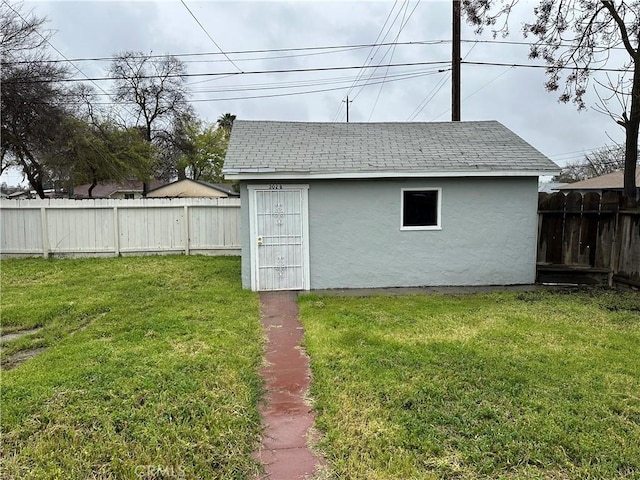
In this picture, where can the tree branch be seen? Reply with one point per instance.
(623, 29)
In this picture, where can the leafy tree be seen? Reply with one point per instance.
(99, 153)
(33, 104)
(204, 148)
(576, 36)
(225, 123)
(599, 162)
(32, 115)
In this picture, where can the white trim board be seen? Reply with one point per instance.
(267, 176)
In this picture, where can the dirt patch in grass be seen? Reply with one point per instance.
(19, 334)
(16, 359)
(19, 358)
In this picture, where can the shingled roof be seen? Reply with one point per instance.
(269, 149)
(610, 181)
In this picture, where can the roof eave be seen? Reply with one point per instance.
(273, 175)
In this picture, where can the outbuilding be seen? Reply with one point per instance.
(365, 205)
(187, 188)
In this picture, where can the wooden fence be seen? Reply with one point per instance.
(119, 227)
(589, 233)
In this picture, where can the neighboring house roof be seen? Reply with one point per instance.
(27, 194)
(105, 190)
(173, 189)
(610, 181)
(264, 149)
(19, 194)
(223, 187)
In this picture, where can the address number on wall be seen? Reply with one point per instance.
(275, 186)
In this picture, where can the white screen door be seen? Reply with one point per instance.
(279, 249)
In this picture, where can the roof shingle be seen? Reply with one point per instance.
(339, 148)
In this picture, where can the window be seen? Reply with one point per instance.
(421, 209)
(129, 196)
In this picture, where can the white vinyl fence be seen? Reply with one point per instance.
(108, 227)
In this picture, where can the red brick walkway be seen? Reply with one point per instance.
(286, 417)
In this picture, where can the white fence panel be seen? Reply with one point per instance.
(209, 229)
(115, 227)
(21, 231)
(82, 230)
(151, 229)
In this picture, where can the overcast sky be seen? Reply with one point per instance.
(513, 96)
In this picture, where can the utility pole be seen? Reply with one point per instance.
(455, 63)
(347, 102)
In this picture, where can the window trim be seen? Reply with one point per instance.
(438, 225)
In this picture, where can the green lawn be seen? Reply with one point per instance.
(150, 370)
(518, 386)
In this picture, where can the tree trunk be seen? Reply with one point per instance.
(37, 186)
(34, 178)
(631, 130)
(91, 187)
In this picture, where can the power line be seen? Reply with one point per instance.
(477, 90)
(210, 37)
(253, 72)
(298, 83)
(393, 51)
(54, 48)
(427, 99)
(278, 57)
(403, 24)
(246, 52)
(377, 49)
(524, 65)
(294, 49)
(223, 99)
(514, 42)
(368, 59)
(564, 157)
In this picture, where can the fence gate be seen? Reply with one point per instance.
(279, 237)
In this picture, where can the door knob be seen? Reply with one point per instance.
(260, 240)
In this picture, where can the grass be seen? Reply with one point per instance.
(150, 370)
(542, 385)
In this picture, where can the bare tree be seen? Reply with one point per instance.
(574, 37)
(153, 91)
(598, 162)
(22, 34)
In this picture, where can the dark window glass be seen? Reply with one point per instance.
(420, 208)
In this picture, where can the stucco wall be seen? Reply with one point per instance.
(488, 234)
(244, 236)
